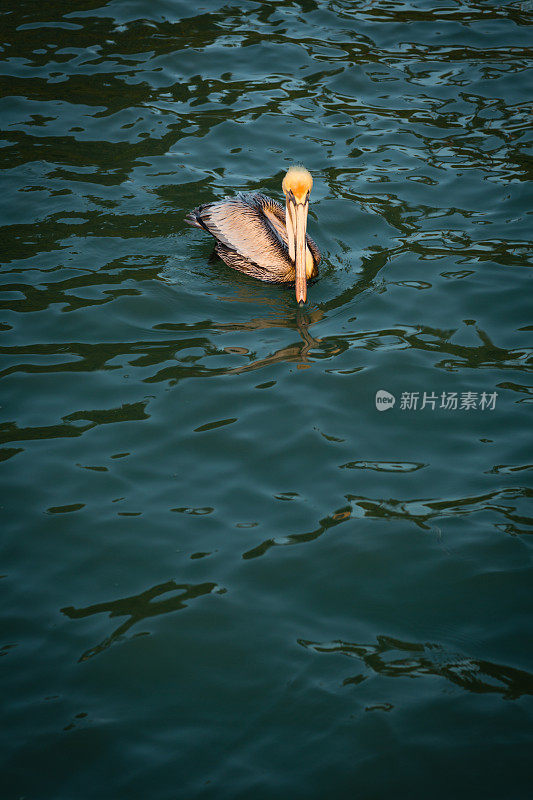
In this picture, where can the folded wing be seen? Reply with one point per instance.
(240, 225)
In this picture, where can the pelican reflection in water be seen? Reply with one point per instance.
(256, 235)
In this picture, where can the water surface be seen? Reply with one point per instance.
(225, 573)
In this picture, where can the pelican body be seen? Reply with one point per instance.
(259, 237)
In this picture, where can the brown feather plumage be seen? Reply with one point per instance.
(251, 236)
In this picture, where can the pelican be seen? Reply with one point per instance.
(256, 235)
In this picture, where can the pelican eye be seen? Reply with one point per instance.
(292, 197)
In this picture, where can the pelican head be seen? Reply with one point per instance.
(297, 185)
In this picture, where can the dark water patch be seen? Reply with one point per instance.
(196, 512)
(336, 518)
(66, 509)
(139, 608)
(397, 659)
(9, 452)
(421, 512)
(209, 426)
(384, 466)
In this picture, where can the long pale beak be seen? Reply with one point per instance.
(296, 220)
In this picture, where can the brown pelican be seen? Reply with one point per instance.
(256, 235)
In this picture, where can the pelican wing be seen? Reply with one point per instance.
(240, 224)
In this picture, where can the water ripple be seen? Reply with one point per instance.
(392, 658)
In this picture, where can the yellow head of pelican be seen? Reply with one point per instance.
(297, 185)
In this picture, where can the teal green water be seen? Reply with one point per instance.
(225, 573)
